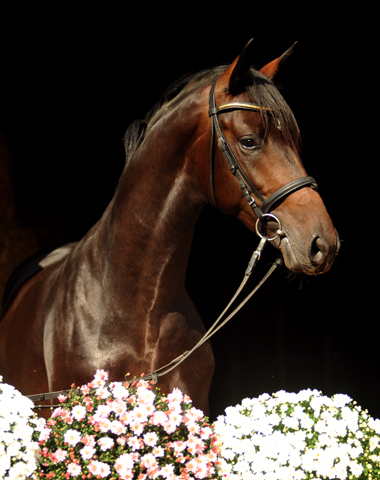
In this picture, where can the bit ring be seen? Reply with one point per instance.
(259, 224)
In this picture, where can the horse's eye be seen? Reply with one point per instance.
(248, 143)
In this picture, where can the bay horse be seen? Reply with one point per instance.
(116, 299)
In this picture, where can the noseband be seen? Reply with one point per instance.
(236, 169)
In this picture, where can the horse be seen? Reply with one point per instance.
(116, 299)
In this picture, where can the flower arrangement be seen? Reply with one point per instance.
(289, 436)
(18, 425)
(127, 431)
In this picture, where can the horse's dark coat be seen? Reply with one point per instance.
(21, 275)
(116, 299)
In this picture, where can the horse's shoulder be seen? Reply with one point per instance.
(29, 268)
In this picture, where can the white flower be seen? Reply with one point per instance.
(87, 452)
(17, 425)
(105, 443)
(119, 391)
(78, 412)
(74, 469)
(373, 443)
(72, 437)
(356, 469)
(314, 436)
(150, 439)
(374, 424)
(340, 400)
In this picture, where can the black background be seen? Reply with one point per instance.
(71, 83)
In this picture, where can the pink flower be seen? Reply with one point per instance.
(170, 426)
(148, 461)
(195, 413)
(175, 396)
(85, 389)
(99, 468)
(199, 466)
(125, 474)
(105, 443)
(44, 435)
(57, 456)
(193, 427)
(104, 425)
(150, 439)
(117, 427)
(122, 440)
(104, 470)
(73, 469)
(102, 393)
(61, 398)
(137, 427)
(158, 452)
(118, 406)
(119, 391)
(167, 471)
(124, 465)
(194, 445)
(88, 440)
(134, 443)
(60, 455)
(206, 433)
(87, 452)
(56, 412)
(99, 379)
(65, 414)
(102, 411)
(175, 417)
(146, 409)
(158, 418)
(145, 395)
(140, 414)
(127, 417)
(178, 446)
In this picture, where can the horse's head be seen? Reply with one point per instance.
(260, 135)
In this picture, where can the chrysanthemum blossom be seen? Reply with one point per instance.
(72, 437)
(73, 469)
(79, 412)
(19, 432)
(150, 439)
(87, 452)
(296, 436)
(127, 431)
(105, 443)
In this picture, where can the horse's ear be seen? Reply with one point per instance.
(278, 68)
(239, 69)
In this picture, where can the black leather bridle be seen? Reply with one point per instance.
(245, 183)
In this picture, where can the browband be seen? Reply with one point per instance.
(246, 185)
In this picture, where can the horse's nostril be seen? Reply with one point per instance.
(318, 250)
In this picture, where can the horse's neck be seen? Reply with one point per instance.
(143, 240)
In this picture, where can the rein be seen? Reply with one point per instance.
(248, 190)
(217, 325)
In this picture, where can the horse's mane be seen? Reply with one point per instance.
(261, 90)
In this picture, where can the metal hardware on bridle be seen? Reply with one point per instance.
(261, 213)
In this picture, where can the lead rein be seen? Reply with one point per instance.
(216, 326)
